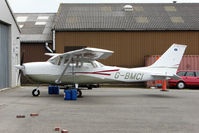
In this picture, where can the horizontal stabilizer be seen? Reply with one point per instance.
(174, 76)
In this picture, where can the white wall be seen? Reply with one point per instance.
(14, 43)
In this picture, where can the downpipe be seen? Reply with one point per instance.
(48, 48)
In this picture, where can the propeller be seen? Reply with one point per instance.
(20, 67)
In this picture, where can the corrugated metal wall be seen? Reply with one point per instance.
(4, 71)
(189, 62)
(130, 47)
(34, 52)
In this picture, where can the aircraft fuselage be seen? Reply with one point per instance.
(45, 72)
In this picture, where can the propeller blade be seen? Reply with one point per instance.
(20, 67)
(19, 75)
(22, 59)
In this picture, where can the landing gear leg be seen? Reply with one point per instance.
(79, 93)
(36, 92)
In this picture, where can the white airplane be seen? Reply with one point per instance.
(80, 68)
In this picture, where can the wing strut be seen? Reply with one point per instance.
(58, 81)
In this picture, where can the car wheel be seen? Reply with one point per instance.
(181, 85)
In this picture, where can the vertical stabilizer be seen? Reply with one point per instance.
(171, 58)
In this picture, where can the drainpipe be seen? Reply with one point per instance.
(48, 48)
(54, 41)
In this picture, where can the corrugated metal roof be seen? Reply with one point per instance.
(112, 17)
(35, 27)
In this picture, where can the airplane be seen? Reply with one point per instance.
(81, 68)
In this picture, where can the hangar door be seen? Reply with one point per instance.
(4, 79)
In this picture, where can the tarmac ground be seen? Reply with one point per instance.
(101, 110)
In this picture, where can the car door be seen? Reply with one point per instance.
(197, 78)
(190, 78)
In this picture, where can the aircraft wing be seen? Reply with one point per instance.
(85, 54)
(81, 55)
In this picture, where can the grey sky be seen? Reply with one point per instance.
(52, 5)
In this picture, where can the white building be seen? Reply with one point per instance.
(9, 46)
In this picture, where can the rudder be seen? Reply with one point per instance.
(172, 57)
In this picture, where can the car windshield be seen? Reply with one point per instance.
(181, 73)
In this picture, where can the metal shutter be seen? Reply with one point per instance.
(4, 68)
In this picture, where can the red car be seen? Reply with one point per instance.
(190, 78)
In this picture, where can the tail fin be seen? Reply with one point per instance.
(171, 58)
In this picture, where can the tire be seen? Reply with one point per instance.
(181, 85)
(35, 93)
(79, 93)
(90, 88)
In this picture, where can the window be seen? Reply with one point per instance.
(181, 73)
(22, 18)
(190, 74)
(43, 17)
(71, 48)
(71, 19)
(98, 64)
(60, 60)
(106, 9)
(94, 64)
(40, 23)
(197, 74)
(141, 19)
(138, 8)
(170, 8)
(88, 65)
(177, 19)
(21, 26)
(53, 61)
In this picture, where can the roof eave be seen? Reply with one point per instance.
(12, 15)
(120, 30)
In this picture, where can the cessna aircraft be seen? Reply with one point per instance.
(80, 68)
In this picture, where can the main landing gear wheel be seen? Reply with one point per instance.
(79, 93)
(35, 92)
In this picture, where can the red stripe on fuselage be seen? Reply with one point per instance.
(109, 70)
(100, 72)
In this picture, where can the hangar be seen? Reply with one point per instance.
(9, 46)
(36, 36)
(131, 30)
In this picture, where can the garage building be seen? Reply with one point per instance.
(131, 30)
(36, 36)
(9, 46)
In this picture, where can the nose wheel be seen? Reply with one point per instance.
(35, 92)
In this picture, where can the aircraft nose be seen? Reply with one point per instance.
(20, 67)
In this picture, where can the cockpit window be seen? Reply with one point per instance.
(97, 64)
(54, 60)
(100, 64)
(59, 60)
